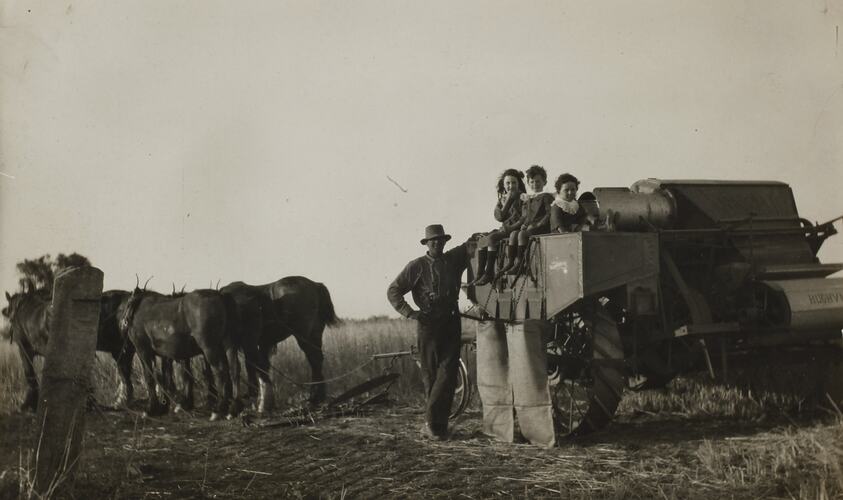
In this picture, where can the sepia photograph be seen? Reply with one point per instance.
(404, 249)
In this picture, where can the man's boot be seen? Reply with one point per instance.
(515, 269)
(510, 260)
(488, 275)
(481, 265)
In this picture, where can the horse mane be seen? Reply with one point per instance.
(131, 308)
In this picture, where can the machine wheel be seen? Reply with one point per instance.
(462, 394)
(585, 369)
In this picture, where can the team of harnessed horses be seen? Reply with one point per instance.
(216, 324)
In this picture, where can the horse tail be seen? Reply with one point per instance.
(326, 307)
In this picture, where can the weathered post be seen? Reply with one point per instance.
(66, 376)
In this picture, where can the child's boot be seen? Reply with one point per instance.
(489, 273)
(510, 260)
(515, 269)
(481, 265)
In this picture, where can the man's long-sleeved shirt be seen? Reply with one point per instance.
(435, 283)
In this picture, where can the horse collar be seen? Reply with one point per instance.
(131, 308)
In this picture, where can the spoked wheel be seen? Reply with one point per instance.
(585, 370)
(462, 394)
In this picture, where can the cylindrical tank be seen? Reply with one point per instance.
(806, 304)
(637, 210)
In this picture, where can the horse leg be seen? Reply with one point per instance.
(251, 380)
(183, 386)
(257, 364)
(312, 348)
(125, 390)
(234, 371)
(30, 400)
(212, 397)
(189, 384)
(147, 357)
(219, 367)
(266, 397)
(250, 327)
(165, 383)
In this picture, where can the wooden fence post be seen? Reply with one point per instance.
(66, 378)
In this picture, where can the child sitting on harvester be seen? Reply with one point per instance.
(524, 215)
(508, 213)
(566, 213)
(535, 220)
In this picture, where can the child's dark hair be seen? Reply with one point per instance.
(536, 170)
(518, 176)
(562, 179)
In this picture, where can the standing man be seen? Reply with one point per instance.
(434, 280)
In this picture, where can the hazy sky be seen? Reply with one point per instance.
(199, 141)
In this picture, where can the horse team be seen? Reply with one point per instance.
(216, 324)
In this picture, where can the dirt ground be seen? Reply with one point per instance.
(380, 453)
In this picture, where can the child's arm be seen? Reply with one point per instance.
(556, 219)
(503, 206)
(514, 216)
(500, 215)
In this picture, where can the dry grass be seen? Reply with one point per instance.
(694, 440)
(696, 396)
(11, 378)
(805, 462)
(347, 348)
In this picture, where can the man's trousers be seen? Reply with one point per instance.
(439, 342)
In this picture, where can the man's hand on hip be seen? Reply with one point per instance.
(420, 316)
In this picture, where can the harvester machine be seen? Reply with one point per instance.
(675, 277)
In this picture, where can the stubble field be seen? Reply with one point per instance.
(693, 440)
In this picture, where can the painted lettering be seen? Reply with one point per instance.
(559, 265)
(818, 299)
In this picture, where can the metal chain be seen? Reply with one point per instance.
(333, 379)
(391, 364)
(531, 251)
(488, 298)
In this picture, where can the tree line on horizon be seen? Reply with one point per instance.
(38, 274)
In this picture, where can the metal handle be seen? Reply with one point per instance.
(391, 354)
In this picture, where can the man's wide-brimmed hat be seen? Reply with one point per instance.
(434, 231)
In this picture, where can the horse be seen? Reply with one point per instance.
(28, 314)
(179, 328)
(292, 306)
(242, 320)
(112, 340)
